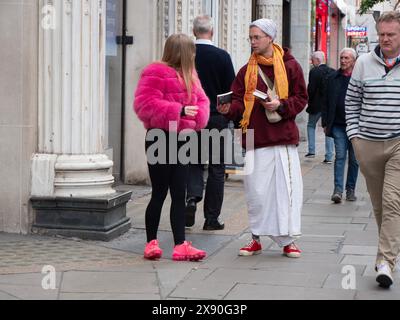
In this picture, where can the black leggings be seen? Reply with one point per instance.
(164, 177)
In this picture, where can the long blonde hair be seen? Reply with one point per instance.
(179, 53)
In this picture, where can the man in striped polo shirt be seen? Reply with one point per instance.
(373, 126)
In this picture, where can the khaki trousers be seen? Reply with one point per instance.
(380, 164)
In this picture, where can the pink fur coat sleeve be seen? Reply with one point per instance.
(160, 97)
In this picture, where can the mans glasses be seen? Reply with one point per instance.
(255, 38)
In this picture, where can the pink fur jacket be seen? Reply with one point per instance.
(161, 95)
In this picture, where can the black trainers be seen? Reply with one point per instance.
(310, 155)
(327, 161)
(337, 197)
(350, 195)
(190, 213)
(213, 225)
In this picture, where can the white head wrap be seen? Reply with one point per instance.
(267, 26)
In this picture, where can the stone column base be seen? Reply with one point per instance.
(97, 218)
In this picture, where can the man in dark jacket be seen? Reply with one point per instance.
(216, 74)
(317, 77)
(334, 124)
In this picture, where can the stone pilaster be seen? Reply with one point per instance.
(71, 162)
(271, 9)
(300, 44)
(231, 22)
(177, 16)
(235, 18)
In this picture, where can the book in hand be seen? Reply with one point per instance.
(224, 98)
(262, 95)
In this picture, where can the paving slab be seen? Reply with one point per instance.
(108, 296)
(366, 287)
(363, 238)
(170, 275)
(372, 226)
(305, 257)
(359, 250)
(305, 267)
(229, 257)
(260, 276)
(338, 239)
(333, 211)
(350, 259)
(382, 294)
(30, 286)
(327, 220)
(363, 220)
(26, 292)
(331, 229)
(6, 296)
(316, 247)
(196, 286)
(269, 292)
(110, 282)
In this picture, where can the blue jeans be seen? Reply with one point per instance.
(342, 146)
(311, 125)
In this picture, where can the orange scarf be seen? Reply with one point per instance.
(251, 78)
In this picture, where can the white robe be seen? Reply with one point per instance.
(274, 192)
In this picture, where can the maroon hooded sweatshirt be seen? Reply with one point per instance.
(268, 134)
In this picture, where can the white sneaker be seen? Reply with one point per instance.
(384, 275)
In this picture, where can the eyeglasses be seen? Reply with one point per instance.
(255, 38)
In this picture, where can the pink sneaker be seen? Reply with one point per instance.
(152, 251)
(252, 248)
(186, 251)
(292, 251)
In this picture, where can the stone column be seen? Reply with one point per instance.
(271, 9)
(71, 164)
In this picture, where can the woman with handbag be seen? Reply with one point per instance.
(273, 181)
(168, 100)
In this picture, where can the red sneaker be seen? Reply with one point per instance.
(252, 248)
(186, 251)
(152, 251)
(292, 251)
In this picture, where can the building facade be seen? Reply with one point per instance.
(68, 72)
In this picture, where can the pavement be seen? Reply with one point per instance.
(339, 245)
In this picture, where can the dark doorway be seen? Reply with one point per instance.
(115, 75)
(286, 25)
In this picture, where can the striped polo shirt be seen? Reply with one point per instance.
(373, 99)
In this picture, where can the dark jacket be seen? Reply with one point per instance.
(316, 80)
(268, 134)
(215, 70)
(335, 91)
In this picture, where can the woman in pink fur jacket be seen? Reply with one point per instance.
(169, 100)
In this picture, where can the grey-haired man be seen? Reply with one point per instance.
(216, 74)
